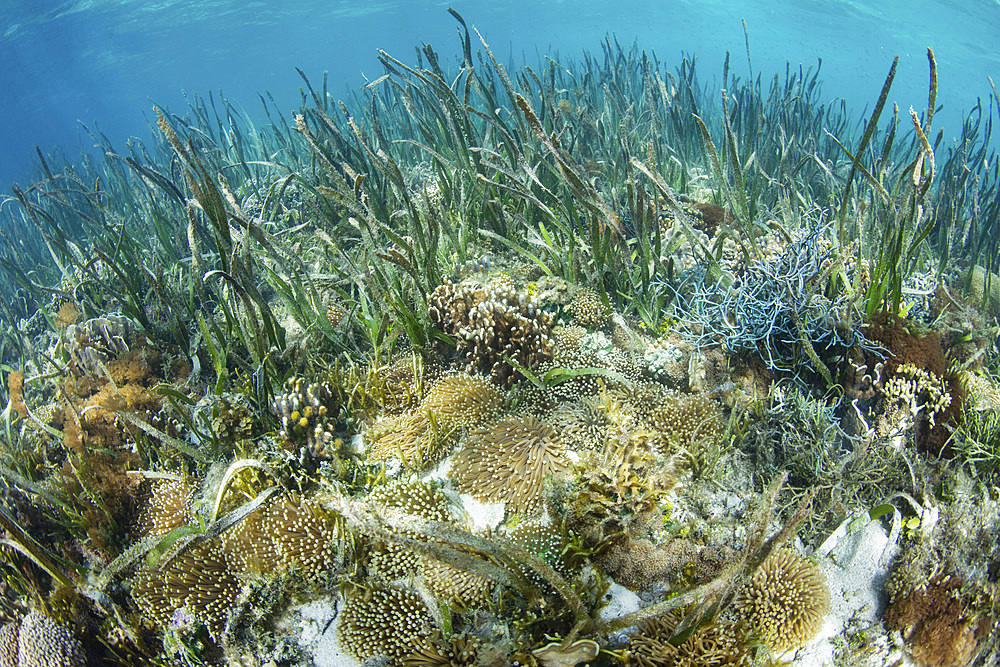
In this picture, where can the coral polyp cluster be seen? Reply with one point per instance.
(195, 585)
(721, 645)
(496, 328)
(390, 560)
(463, 400)
(588, 310)
(283, 535)
(412, 438)
(681, 421)
(422, 435)
(168, 507)
(456, 652)
(510, 462)
(785, 601)
(383, 622)
(938, 622)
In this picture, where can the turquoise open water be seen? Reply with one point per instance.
(106, 62)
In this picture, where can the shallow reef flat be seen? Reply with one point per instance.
(554, 365)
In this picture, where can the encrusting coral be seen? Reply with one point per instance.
(785, 601)
(509, 462)
(39, 641)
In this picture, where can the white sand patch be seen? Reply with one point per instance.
(483, 515)
(622, 603)
(317, 627)
(855, 560)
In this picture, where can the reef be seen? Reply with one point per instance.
(574, 363)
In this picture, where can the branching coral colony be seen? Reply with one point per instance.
(491, 366)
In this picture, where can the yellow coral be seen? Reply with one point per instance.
(383, 621)
(785, 601)
(509, 463)
(281, 535)
(463, 400)
(715, 644)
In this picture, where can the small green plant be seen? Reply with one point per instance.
(978, 443)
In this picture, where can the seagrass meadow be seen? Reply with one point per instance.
(575, 362)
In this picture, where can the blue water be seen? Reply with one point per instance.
(105, 63)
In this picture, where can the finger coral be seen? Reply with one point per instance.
(785, 601)
(309, 415)
(509, 463)
(492, 327)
